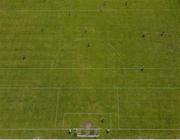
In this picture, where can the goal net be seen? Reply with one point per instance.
(88, 132)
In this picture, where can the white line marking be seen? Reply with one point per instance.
(65, 129)
(145, 129)
(118, 106)
(57, 107)
(63, 121)
(110, 120)
(92, 68)
(99, 88)
(82, 113)
(90, 10)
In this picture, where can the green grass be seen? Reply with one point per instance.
(67, 62)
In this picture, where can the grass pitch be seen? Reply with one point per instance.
(113, 64)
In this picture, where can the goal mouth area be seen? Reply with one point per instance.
(88, 132)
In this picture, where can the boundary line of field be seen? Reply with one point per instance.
(110, 120)
(90, 10)
(90, 68)
(98, 88)
(117, 94)
(65, 129)
(57, 107)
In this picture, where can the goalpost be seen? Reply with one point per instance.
(87, 132)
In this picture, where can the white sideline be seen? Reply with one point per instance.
(65, 129)
(91, 10)
(59, 88)
(89, 68)
(116, 90)
(57, 107)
